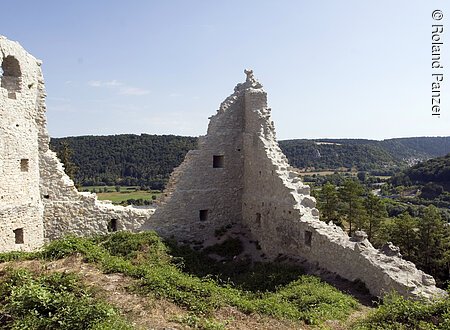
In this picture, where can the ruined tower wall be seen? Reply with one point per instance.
(204, 192)
(258, 189)
(281, 215)
(274, 198)
(20, 204)
(38, 201)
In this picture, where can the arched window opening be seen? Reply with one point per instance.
(11, 75)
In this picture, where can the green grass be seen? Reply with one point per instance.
(125, 194)
(398, 313)
(119, 197)
(163, 270)
(56, 301)
(193, 281)
(109, 188)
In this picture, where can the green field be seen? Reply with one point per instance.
(125, 193)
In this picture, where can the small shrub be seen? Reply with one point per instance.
(54, 301)
(397, 312)
(196, 322)
(17, 255)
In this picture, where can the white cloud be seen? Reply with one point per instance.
(112, 83)
(133, 91)
(120, 87)
(95, 83)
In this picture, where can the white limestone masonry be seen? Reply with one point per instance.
(21, 208)
(38, 201)
(238, 176)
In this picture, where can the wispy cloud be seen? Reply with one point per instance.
(95, 83)
(121, 88)
(133, 91)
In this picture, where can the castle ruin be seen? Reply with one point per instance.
(238, 175)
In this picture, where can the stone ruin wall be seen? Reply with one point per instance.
(205, 192)
(281, 214)
(67, 211)
(238, 175)
(258, 189)
(21, 208)
(36, 195)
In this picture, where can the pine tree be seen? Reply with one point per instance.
(376, 212)
(351, 206)
(328, 203)
(431, 239)
(405, 234)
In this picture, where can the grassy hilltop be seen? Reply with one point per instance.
(138, 281)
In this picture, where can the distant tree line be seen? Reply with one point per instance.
(127, 160)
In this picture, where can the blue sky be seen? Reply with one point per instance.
(332, 69)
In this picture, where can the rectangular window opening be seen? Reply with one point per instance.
(308, 238)
(112, 226)
(203, 214)
(18, 235)
(218, 161)
(24, 165)
(258, 219)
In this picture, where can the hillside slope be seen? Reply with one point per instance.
(435, 170)
(137, 281)
(183, 286)
(363, 154)
(145, 160)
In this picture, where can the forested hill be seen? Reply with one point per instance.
(148, 160)
(143, 160)
(436, 170)
(363, 154)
